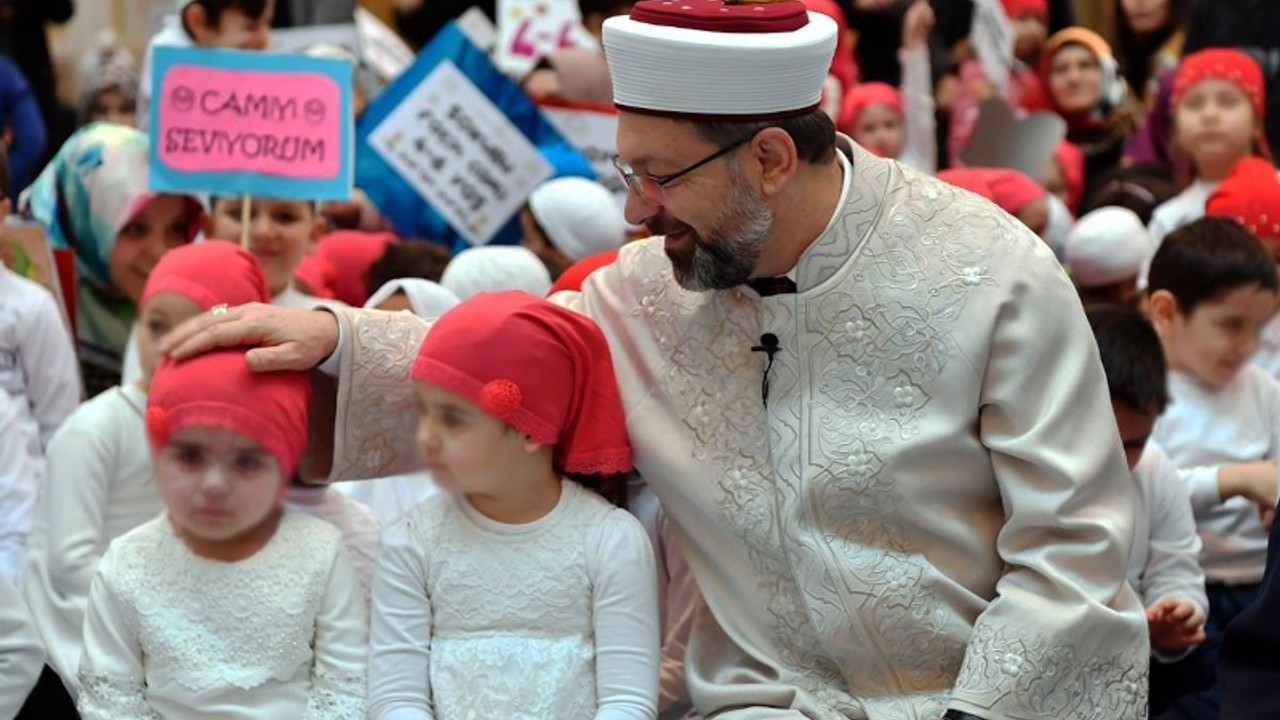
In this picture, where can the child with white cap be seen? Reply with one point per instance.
(1104, 252)
(495, 267)
(570, 218)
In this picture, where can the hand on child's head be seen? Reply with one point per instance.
(163, 224)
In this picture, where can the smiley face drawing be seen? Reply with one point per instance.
(183, 98)
(314, 111)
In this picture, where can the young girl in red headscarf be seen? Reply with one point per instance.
(227, 604)
(516, 593)
(99, 484)
(1218, 106)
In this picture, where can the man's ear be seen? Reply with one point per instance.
(776, 154)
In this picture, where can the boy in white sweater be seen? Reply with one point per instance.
(1163, 565)
(1212, 287)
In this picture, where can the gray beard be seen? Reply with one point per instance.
(728, 256)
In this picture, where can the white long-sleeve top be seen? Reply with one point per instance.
(37, 357)
(475, 619)
(1163, 562)
(359, 528)
(100, 485)
(1206, 428)
(920, 126)
(1184, 208)
(281, 634)
(18, 477)
(1268, 355)
(21, 654)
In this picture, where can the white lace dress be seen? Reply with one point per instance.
(279, 635)
(555, 619)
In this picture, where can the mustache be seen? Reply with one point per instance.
(665, 225)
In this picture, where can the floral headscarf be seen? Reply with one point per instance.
(90, 190)
(1114, 93)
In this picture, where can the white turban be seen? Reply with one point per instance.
(1107, 246)
(491, 268)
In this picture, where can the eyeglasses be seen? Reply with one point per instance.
(650, 187)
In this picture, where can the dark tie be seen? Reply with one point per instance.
(781, 285)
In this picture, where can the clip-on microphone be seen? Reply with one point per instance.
(770, 347)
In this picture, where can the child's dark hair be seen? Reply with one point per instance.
(1140, 188)
(4, 172)
(409, 259)
(604, 7)
(213, 9)
(1207, 259)
(1131, 356)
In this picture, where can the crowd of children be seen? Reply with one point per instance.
(166, 550)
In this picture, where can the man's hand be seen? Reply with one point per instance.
(282, 338)
(1174, 625)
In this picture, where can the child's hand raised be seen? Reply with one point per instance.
(1174, 625)
(917, 24)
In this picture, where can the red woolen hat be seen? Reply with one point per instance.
(218, 389)
(1249, 195)
(1222, 64)
(209, 273)
(1015, 9)
(867, 94)
(1009, 189)
(345, 257)
(712, 60)
(536, 366)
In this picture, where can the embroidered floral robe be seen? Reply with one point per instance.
(933, 510)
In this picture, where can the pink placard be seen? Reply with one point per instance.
(287, 124)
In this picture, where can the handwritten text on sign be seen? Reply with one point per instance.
(259, 123)
(461, 154)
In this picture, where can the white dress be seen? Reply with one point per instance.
(281, 634)
(554, 619)
(18, 478)
(21, 655)
(37, 357)
(100, 485)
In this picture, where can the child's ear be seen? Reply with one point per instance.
(1164, 310)
(319, 228)
(530, 445)
(206, 224)
(196, 20)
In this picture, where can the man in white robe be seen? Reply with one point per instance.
(899, 487)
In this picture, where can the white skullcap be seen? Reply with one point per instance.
(1106, 246)
(428, 299)
(492, 268)
(704, 59)
(579, 216)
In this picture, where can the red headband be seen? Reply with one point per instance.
(1249, 195)
(1071, 159)
(1015, 9)
(867, 94)
(345, 258)
(1222, 64)
(541, 368)
(218, 389)
(209, 273)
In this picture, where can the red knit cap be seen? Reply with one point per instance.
(1222, 64)
(867, 94)
(1009, 189)
(209, 273)
(1015, 9)
(538, 367)
(1250, 195)
(218, 389)
(345, 258)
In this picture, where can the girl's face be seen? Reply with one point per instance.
(161, 313)
(1214, 124)
(1145, 16)
(879, 129)
(1075, 80)
(219, 485)
(466, 449)
(281, 233)
(163, 224)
